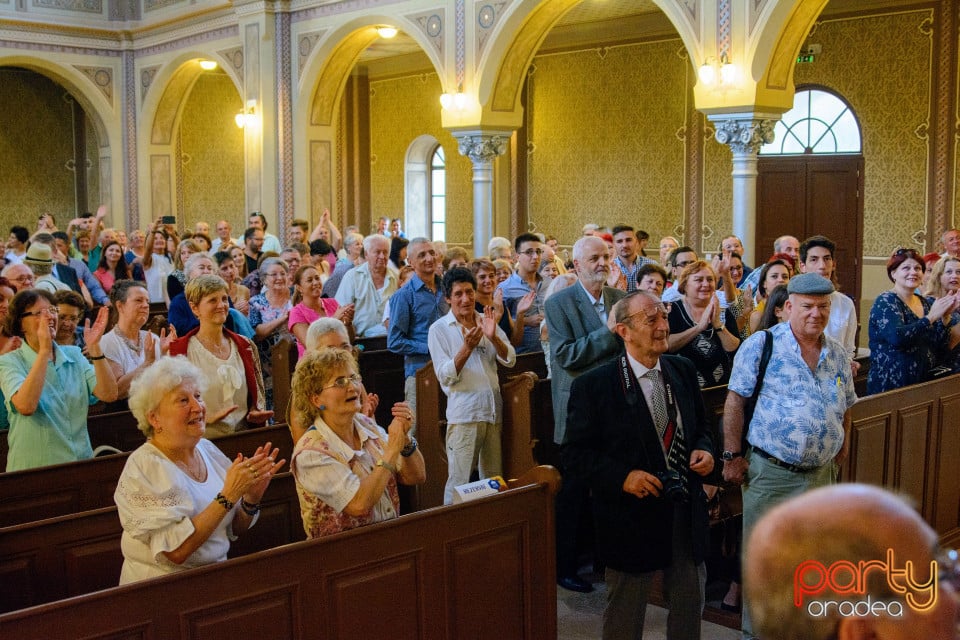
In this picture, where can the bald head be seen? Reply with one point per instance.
(793, 546)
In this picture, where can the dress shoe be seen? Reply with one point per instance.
(575, 583)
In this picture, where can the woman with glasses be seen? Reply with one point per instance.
(699, 330)
(71, 310)
(309, 304)
(49, 387)
(907, 331)
(269, 311)
(235, 398)
(346, 466)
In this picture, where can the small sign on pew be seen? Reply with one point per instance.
(479, 489)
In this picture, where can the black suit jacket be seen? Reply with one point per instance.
(610, 434)
(68, 276)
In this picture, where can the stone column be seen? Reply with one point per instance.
(744, 133)
(482, 147)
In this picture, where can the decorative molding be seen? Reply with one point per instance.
(190, 38)
(101, 77)
(305, 46)
(754, 10)
(147, 74)
(153, 5)
(129, 140)
(745, 135)
(86, 6)
(57, 45)
(942, 149)
(482, 148)
(431, 24)
(460, 24)
(310, 11)
(285, 89)
(488, 15)
(235, 56)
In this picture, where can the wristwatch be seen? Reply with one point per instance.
(727, 456)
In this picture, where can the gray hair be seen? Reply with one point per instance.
(580, 246)
(372, 239)
(155, 382)
(269, 262)
(194, 260)
(562, 281)
(321, 327)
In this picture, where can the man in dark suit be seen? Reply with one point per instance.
(581, 331)
(637, 433)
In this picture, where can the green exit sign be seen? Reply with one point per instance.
(804, 58)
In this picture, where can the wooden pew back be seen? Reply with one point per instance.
(49, 560)
(47, 492)
(441, 573)
(382, 373)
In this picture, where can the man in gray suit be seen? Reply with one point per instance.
(581, 329)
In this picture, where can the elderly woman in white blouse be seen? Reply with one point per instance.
(181, 501)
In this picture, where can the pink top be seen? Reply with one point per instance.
(303, 313)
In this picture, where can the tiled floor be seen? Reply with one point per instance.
(579, 617)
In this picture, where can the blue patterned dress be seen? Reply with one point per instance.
(903, 348)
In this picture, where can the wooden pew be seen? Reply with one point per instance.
(481, 569)
(283, 359)
(372, 344)
(70, 555)
(48, 492)
(116, 429)
(908, 440)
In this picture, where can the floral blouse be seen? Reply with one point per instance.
(260, 311)
(903, 347)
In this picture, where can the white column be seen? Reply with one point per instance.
(482, 147)
(745, 134)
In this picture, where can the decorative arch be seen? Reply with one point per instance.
(820, 122)
(331, 63)
(416, 186)
(160, 114)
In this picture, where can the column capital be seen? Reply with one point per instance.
(744, 134)
(482, 146)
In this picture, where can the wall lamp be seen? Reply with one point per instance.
(248, 116)
(208, 65)
(713, 70)
(386, 31)
(455, 102)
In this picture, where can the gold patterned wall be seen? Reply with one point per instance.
(606, 142)
(212, 153)
(882, 66)
(36, 152)
(401, 110)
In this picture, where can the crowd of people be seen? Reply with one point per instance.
(628, 340)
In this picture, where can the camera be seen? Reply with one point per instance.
(673, 489)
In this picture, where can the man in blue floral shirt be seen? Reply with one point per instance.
(798, 433)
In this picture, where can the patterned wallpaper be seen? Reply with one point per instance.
(212, 147)
(401, 110)
(36, 144)
(717, 191)
(604, 139)
(858, 62)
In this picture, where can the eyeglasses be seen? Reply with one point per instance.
(532, 252)
(681, 265)
(342, 382)
(23, 278)
(52, 310)
(68, 318)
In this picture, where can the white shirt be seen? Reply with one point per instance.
(646, 387)
(473, 394)
(117, 350)
(271, 243)
(357, 288)
(216, 242)
(155, 501)
(599, 308)
(156, 276)
(50, 283)
(226, 385)
(842, 325)
(671, 294)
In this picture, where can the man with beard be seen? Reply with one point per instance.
(582, 336)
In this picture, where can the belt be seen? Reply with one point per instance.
(780, 463)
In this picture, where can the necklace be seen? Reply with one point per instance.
(199, 474)
(217, 350)
(134, 345)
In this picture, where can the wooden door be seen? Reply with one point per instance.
(811, 195)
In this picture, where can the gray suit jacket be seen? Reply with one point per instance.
(579, 341)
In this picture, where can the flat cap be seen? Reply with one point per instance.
(810, 284)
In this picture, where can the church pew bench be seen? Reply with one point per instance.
(79, 553)
(47, 492)
(436, 574)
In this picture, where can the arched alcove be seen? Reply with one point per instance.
(417, 185)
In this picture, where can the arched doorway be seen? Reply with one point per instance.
(811, 181)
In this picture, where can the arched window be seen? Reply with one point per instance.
(438, 195)
(819, 122)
